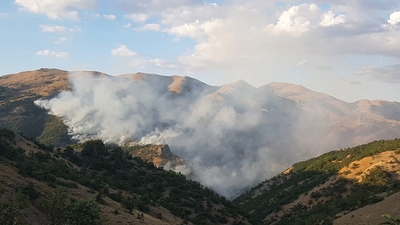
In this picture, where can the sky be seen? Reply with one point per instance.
(347, 49)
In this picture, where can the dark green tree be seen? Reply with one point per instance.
(82, 212)
(12, 208)
(55, 206)
(71, 211)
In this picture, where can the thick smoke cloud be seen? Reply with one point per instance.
(233, 136)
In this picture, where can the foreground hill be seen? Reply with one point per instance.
(232, 136)
(351, 186)
(127, 190)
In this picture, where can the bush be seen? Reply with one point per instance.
(376, 176)
(29, 191)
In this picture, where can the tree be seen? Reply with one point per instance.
(82, 212)
(12, 208)
(69, 151)
(55, 206)
(71, 211)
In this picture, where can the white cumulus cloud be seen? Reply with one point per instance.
(56, 9)
(122, 50)
(137, 17)
(53, 53)
(295, 20)
(149, 26)
(329, 19)
(195, 29)
(394, 18)
(51, 28)
(56, 28)
(110, 17)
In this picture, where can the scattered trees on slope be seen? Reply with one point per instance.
(328, 202)
(102, 167)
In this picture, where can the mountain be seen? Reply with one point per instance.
(231, 137)
(339, 187)
(177, 84)
(18, 93)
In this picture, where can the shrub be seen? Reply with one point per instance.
(376, 176)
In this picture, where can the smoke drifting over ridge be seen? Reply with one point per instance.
(220, 140)
(233, 136)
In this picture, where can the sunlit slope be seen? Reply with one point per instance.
(328, 187)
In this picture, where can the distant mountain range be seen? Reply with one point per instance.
(233, 136)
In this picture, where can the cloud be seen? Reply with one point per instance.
(151, 8)
(302, 63)
(350, 82)
(110, 17)
(329, 19)
(137, 17)
(149, 26)
(190, 14)
(128, 25)
(295, 20)
(394, 18)
(147, 64)
(60, 40)
(195, 30)
(56, 9)
(388, 74)
(92, 15)
(75, 29)
(151, 64)
(55, 28)
(238, 37)
(53, 53)
(122, 50)
(51, 28)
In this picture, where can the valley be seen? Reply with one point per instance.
(245, 146)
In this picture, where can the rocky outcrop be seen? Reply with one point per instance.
(159, 155)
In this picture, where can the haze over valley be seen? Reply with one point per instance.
(231, 137)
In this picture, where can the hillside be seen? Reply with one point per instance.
(339, 187)
(231, 137)
(18, 93)
(127, 190)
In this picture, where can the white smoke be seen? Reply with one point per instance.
(233, 136)
(221, 140)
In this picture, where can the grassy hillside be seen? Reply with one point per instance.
(127, 189)
(320, 190)
(55, 132)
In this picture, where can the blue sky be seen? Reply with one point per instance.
(348, 49)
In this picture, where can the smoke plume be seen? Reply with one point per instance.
(233, 136)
